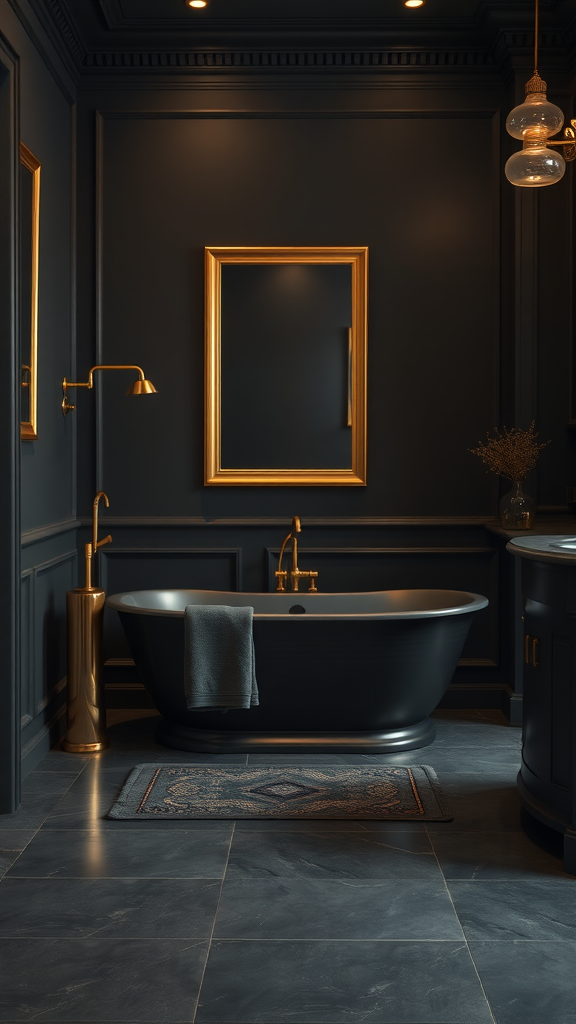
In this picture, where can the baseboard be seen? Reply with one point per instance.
(126, 696)
(462, 696)
(512, 706)
(47, 738)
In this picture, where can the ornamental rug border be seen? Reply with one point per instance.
(372, 792)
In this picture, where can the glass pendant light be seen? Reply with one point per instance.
(534, 121)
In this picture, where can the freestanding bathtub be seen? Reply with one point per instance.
(335, 672)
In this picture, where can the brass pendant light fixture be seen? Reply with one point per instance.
(534, 121)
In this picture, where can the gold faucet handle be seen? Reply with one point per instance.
(281, 576)
(312, 588)
(105, 540)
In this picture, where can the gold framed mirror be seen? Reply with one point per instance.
(285, 365)
(29, 252)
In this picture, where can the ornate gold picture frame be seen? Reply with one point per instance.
(29, 257)
(285, 365)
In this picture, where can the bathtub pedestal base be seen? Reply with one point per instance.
(212, 741)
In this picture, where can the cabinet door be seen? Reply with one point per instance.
(548, 684)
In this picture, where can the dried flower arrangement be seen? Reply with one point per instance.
(510, 453)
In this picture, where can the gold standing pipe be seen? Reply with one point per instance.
(86, 732)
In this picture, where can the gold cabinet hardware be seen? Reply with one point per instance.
(531, 644)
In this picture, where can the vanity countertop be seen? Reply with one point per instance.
(542, 528)
(560, 548)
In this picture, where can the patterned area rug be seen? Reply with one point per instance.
(233, 791)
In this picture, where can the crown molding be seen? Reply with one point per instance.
(62, 33)
(285, 60)
(353, 45)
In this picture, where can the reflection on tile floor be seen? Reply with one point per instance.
(296, 922)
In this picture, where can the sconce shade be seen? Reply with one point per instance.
(141, 387)
(535, 165)
(534, 121)
(535, 112)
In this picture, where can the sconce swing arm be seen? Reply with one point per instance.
(568, 142)
(141, 386)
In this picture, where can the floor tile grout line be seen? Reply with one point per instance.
(322, 940)
(115, 878)
(480, 982)
(211, 936)
(464, 936)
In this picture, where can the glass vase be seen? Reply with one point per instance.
(517, 509)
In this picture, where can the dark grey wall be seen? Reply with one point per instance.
(171, 185)
(45, 123)
(417, 176)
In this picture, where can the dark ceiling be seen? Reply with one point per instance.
(109, 22)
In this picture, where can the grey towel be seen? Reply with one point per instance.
(219, 671)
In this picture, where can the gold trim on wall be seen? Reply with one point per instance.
(29, 377)
(215, 257)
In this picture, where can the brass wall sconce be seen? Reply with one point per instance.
(533, 122)
(141, 386)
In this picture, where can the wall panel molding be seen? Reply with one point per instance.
(231, 557)
(360, 522)
(52, 579)
(51, 530)
(27, 662)
(310, 113)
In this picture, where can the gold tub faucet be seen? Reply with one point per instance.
(295, 573)
(90, 549)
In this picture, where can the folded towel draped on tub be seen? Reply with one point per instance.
(219, 671)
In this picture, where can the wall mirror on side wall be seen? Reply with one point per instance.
(29, 240)
(285, 372)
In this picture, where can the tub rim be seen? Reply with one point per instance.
(474, 603)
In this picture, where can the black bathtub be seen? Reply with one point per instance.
(336, 672)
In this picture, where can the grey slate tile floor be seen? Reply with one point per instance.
(286, 922)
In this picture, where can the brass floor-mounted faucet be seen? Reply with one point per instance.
(295, 573)
(91, 549)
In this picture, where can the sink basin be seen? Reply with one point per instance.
(548, 548)
(566, 544)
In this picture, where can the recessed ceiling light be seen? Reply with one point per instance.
(197, 3)
(414, 3)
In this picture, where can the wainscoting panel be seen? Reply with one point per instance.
(52, 581)
(43, 648)
(27, 711)
(123, 569)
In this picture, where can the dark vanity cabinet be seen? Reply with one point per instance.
(547, 777)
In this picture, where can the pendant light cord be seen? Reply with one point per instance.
(535, 36)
